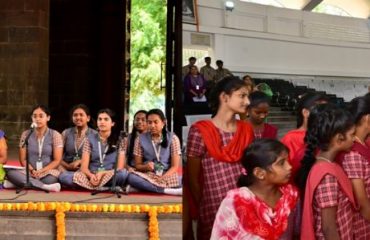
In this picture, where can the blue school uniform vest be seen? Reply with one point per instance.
(47, 148)
(69, 146)
(149, 153)
(108, 161)
(2, 134)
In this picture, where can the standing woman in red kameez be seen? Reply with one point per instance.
(294, 139)
(214, 150)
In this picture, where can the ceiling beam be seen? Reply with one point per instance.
(311, 5)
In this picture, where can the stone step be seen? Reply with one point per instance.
(108, 226)
(281, 118)
(284, 124)
(281, 113)
(275, 108)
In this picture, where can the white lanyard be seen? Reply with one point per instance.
(157, 151)
(78, 148)
(41, 144)
(101, 157)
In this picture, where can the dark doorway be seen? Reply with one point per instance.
(86, 64)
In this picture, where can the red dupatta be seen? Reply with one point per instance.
(256, 217)
(318, 171)
(233, 151)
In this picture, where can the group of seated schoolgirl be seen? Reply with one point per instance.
(84, 158)
(312, 184)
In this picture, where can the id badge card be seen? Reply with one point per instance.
(197, 87)
(76, 157)
(38, 165)
(100, 169)
(159, 172)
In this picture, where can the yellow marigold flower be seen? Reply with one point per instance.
(24, 206)
(83, 208)
(160, 209)
(112, 207)
(67, 206)
(120, 208)
(125, 208)
(8, 206)
(136, 209)
(18, 206)
(77, 207)
(31, 206)
(41, 207)
(145, 207)
(94, 207)
(89, 208)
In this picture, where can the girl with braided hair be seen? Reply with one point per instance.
(294, 139)
(328, 199)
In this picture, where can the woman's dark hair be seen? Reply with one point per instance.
(86, 110)
(261, 153)
(248, 76)
(113, 137)
(359, 107)
(257, 98)
(227, 85)
(324, 122)
(307, 101)
(159, 113)
(44, 108)
(130, 151)
(77, 106)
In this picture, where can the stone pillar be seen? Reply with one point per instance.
(24, 56)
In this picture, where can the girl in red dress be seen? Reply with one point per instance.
(264, 206)
(258, 111)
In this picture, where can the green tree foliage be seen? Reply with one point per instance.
(148, 51)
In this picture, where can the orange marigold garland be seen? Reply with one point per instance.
(153, 224)
(62, 207)
(60, 222)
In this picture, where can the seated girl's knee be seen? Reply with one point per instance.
(65, 175)
(122, 175)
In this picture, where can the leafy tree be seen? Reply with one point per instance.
(148, 52)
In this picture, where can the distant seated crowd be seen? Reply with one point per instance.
(198, 84)
(148, 159)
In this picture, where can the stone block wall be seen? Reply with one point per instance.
(24, 60)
